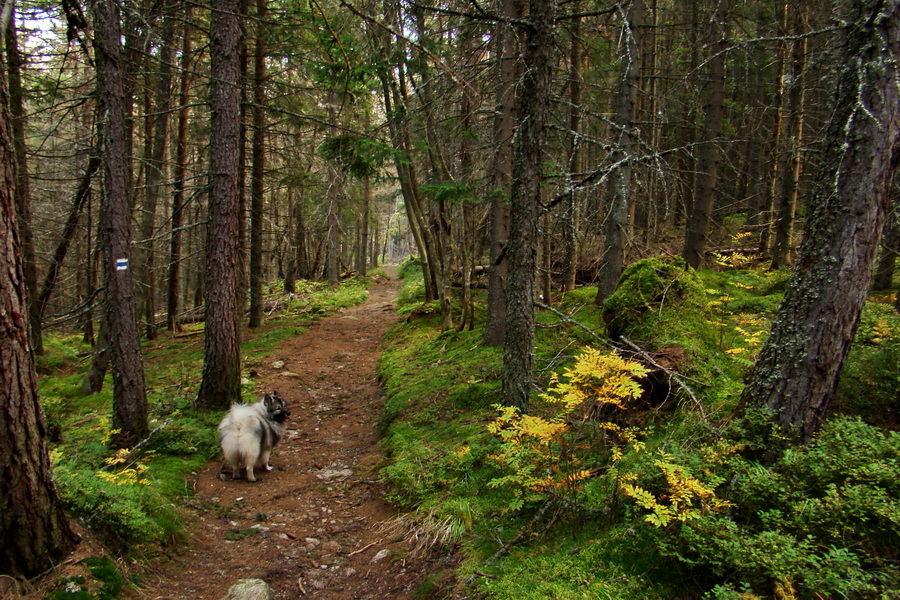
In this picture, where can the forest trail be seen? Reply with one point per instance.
(313, 527)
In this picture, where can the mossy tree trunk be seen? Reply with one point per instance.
(798, 368)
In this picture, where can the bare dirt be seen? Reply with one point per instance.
(314, 527)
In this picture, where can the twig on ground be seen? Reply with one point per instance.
(132, 451)
(364, 548)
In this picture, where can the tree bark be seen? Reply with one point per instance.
(156, 170)
(797, 370)
(617, 229)
(129, 393)
(533, 110)
(33, 528)
(221, 383)
(180, 183)
(570, 218)
(506, 48)
(775, 139)
(258, 168)
(23, 187)
(890, 247)
(793, 131)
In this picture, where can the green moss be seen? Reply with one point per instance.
(649, 292)
(593, 564)
(597, 543)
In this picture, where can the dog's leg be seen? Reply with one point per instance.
(264, 460)
(221, 474)
(250, 476)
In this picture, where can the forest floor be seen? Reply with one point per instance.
(315, 526)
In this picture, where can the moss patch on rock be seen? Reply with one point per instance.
(649, 292)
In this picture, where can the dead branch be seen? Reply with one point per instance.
(671, 374)
(569, 319)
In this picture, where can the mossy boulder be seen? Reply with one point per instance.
(650, 293)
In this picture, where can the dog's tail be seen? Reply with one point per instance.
(240, 441)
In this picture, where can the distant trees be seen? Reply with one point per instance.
(666, 125)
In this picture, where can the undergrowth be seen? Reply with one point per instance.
(623, 483)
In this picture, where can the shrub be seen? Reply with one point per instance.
(824, 520)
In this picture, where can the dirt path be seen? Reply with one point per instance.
(312, 528)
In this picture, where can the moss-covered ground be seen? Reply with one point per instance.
(655, 498)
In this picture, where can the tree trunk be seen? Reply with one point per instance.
(767, 211)
(243, 258)
(23, 188)
(35, 533)
(467, 233)
(174, 275)
(221, 383)
(506, 48)
(156, 170)
(82, 194)
(362, 256)
(258, 169)
(533, 110)
(708, 161)
(890, 246)
(797, 370)
(617, 229)
(129, 392)
(570, 217)
(332, 264)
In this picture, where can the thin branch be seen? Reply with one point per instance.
(569, 319)
(671, 374)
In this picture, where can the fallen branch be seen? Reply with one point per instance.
(364, 548)
(569, 319)
(132, 451)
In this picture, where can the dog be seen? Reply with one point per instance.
(249, 432)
